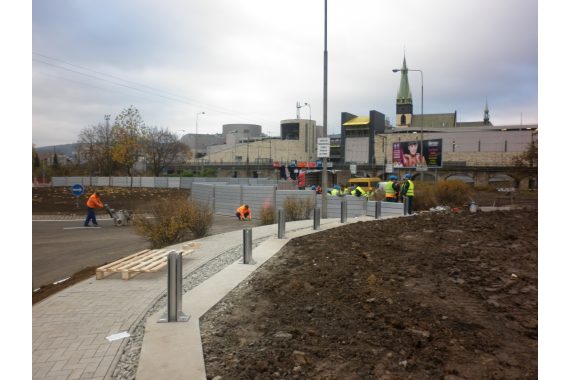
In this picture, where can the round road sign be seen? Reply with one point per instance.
(77, 189)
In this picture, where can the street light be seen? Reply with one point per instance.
(422, 123)
(308, 105)
(196, 139)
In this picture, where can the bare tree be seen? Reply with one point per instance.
(96, 149)
(127, 131)
(162, 149)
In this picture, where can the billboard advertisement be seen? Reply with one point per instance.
(406, 154)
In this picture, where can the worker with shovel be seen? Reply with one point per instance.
(93, 202)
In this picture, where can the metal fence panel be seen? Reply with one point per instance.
(356, 206)
(203, 193)
(102, 181)
(161, 182)
(58, 181)
(147, 181)
(120, 181)
(186, 182)
(258, 197)
(333, 206)
(173, 182)
(392, 209)
(228, 198)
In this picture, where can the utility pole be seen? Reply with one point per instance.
(325, 84)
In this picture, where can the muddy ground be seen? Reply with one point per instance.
(433, 296)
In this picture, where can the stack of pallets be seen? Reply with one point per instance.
(145, 261)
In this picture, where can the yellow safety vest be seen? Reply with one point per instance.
(389, 189)
(410, 191)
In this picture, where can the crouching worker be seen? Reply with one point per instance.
(243, 212)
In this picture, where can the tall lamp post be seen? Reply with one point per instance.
(324, 179)
(196, 137)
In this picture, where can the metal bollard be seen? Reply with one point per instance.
(280, 223)
(406, 205)
(343, 210)
(316, 218)
(378, 210)
(247, 257)
(174, 290)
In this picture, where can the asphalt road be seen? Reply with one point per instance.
(62, 248)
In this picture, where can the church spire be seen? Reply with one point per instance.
(404, 93)
(404, 106)
(486, 114)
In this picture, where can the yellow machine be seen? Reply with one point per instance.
(368, 184)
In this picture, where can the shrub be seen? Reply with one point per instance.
(424, 196)
(298, 208)
(171, 220)
(452, 193)
(267, 215)
(201, 219)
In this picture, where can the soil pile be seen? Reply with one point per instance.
(434, 296)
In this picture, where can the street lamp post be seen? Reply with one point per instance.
(247, 154)
(422, 122)
(324, 179)
(196, 137)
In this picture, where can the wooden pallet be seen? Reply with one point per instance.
(145, 261)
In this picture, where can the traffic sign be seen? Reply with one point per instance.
(323, 147)
(77, 189)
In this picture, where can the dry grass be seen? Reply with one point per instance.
(298, 208)
(171, 220)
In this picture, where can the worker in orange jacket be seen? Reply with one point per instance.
(93, 202)
(243, 212)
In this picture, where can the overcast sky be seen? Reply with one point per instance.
(250, 61)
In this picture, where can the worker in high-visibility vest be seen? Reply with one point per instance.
(391, 189)
(408, 192)
(243, 212)
(358, 191)
(93, 202)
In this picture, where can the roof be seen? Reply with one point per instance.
(474, 124)
(436, 120)
(360, 120)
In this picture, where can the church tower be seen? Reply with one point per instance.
(486, 114)
(404, 106)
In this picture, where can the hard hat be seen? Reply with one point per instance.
(408, 176)
(393, 177)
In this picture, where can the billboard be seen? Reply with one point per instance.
(406, 154)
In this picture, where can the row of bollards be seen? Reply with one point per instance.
(174, 280)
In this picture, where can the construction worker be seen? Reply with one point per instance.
(407, 191)
(358, 191)
(391, 189)
(243, 212)
(93, 202)
(335, 191)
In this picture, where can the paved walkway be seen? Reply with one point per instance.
(69, 329)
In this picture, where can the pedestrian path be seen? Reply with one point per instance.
(70, 328)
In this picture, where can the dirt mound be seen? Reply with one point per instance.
(442, 296)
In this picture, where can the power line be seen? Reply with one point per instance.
(154, 91)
